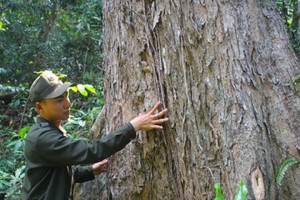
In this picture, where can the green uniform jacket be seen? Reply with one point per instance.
(49, 155)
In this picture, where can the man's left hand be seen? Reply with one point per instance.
(100, 167)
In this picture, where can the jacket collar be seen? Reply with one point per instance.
(43, 120)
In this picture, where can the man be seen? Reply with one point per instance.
(50, 154)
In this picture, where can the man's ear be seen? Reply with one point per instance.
(39, 107)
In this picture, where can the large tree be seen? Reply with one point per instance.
(227, 72)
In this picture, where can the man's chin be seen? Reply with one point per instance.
(65, 118)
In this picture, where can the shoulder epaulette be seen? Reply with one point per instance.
(44, 124)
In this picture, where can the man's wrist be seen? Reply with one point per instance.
(134, 125)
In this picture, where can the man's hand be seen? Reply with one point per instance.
(100, 167)
(149, 121)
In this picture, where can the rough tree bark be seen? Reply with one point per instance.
(219, 66)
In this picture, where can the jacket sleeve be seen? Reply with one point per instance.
(83, 174)
(54, 149)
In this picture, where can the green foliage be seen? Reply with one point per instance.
(283, 167)
(11, 164)
(295, 84)
(24, 131)
(79, 124)
(240, 194)
(297, 79)
(289, 12)
(83, 89)
(71, 45)
(8, 88)
(219, 195)
(14, 181)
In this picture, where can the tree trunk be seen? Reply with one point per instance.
(219, 67)
(45, 30)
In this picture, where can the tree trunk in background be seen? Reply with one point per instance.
(219, 67)
(45, 30)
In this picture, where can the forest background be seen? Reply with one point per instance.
(66, 37)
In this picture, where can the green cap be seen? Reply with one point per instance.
(46, 86)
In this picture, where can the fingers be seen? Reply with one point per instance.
(103, 165)
(156, 127)
(155, 108)
(100, 167)
(104, 162)
(160, 114)
(150, 120)
(160, 121)
(156, 121)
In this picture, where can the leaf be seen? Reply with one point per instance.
(60, 76)
(286, 84)
(90, 88)
(4, 183)
(101, 101)
(297, 79)
(1, 25)
(15, 103)
(289, 21)
(74, 89)
(82, 90)
(81, 123)
(39, 72)
(19, 171)
(23, 132)
(219, 195)
(18, 146)
(97, 18)
(283, 167)
(242, 192)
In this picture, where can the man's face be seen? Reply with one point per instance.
(56, 109)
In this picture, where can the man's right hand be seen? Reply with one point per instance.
(149, 121)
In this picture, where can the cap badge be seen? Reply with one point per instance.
(50, 78)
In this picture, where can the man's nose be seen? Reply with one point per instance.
(67, 102)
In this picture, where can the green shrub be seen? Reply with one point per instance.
(240, 194)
